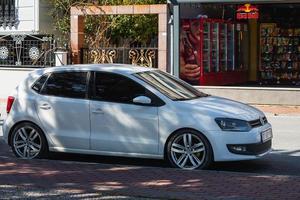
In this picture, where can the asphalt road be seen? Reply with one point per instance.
(284, 160)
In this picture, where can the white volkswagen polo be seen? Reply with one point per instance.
(121, 110)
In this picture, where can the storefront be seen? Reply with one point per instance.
(236, 42)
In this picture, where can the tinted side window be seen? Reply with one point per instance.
(116, 88)
(39, 83)
(67, 84)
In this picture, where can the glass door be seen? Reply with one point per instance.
(230, 47)
(206, 46)
(215, 46)
(223, 47)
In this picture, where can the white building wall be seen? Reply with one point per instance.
(27, 17)
(33, 16)
(10, 79)
(45, 20)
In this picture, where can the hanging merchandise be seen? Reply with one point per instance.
(279, 54)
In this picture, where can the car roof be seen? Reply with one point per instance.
(115, 68)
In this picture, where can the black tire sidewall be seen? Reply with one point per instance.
(208, 149)
(44, 149)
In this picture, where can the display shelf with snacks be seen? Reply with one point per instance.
(279, 55)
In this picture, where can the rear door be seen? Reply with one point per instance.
(63, 109)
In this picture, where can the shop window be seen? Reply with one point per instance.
(279, 52)
(213, 51)
(8, 16)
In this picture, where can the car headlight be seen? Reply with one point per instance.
(228, 124)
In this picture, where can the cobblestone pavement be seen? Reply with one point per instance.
(61, 179)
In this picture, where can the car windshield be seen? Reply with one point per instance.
(170, 86)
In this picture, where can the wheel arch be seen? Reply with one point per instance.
(181, 129)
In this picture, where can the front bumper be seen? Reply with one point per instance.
(248, 145)
(250, 149)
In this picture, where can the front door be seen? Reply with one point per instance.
(118, 125)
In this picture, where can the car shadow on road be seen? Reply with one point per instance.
(279, 162)
(73, 176)
(107, 159)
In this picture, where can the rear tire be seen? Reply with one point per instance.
(28, 141)
(189, 149)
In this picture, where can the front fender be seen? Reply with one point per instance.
(170, 122)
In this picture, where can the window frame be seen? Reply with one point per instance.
(155, 100)
(35, 82)
(178, 81)
(12, 17)
(87, 82)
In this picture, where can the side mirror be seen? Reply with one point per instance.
(142, 100)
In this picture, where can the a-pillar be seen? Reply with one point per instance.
(77, 37)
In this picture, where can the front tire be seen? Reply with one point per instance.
(189, 149)
(28, 141)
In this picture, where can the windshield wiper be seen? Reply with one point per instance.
(196, 97)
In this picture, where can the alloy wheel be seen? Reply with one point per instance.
(27, 142)
(188, 151)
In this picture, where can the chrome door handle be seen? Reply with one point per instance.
(45, 107)
(98, 111)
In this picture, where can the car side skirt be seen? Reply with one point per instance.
(106, 153)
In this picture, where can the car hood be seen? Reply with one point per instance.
(222, 107)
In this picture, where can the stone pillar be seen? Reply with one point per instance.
(77, 37)
(162, 41)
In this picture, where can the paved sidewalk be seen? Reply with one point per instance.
(279, 109)
(63, 179)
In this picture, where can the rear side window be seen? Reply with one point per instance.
(66, 84)
(38, 85)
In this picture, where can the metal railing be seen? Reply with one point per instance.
(26, 50)
(146, 56)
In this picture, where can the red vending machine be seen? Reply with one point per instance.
(208, 52)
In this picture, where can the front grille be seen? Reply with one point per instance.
(258, 123)
(255, 123)
(260, 148)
